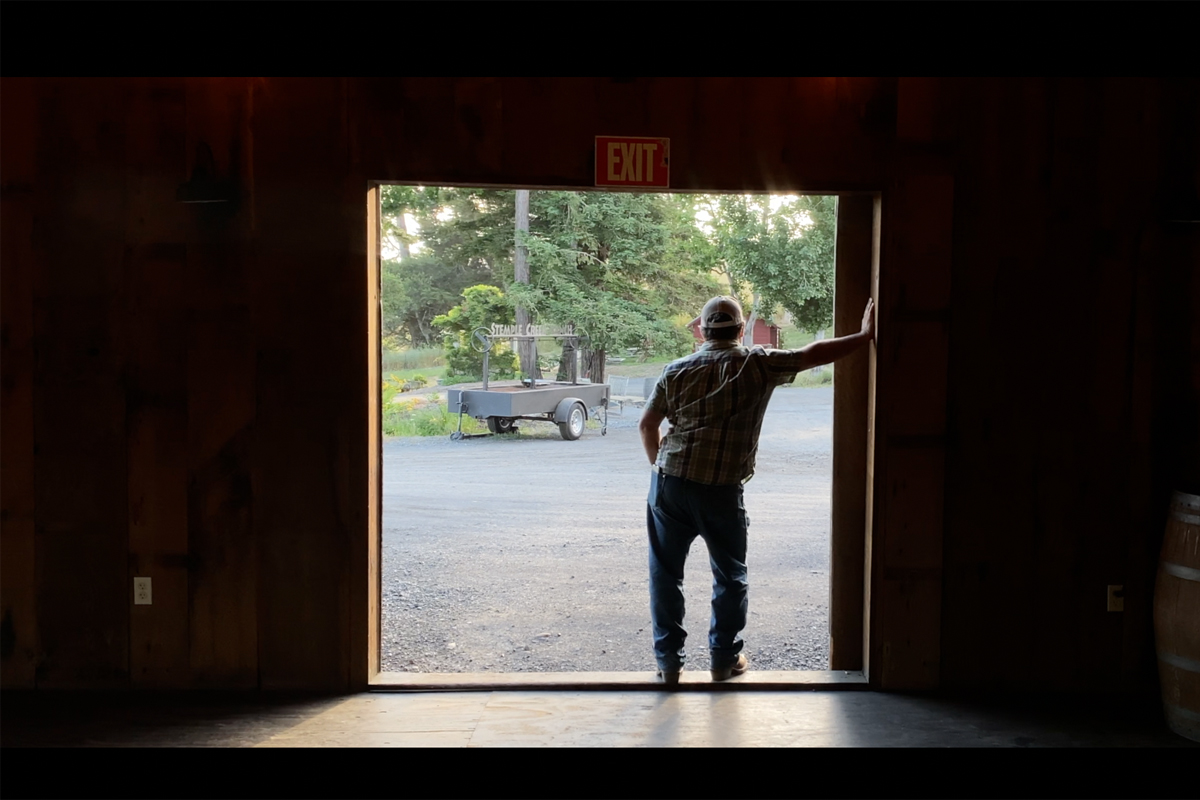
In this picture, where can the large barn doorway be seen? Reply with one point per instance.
(521, 557)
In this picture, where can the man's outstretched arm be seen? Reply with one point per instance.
(827, 351)
(650, 427)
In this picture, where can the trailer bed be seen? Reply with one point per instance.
(520, 401)
(501, 404)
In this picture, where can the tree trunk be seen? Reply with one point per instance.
(748, 336)
(404, 239)
(424, 325)
(564, 362)
(592, 365)
(526, 349)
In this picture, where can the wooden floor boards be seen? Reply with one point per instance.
(571, 718)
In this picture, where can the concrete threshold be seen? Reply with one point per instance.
(692, 680)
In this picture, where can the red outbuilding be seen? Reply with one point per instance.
(764, 333)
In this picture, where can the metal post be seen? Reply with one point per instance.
(485, 364)
(604, 428)
(462, 409)
(574, 360)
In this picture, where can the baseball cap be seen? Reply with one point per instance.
(721, 312)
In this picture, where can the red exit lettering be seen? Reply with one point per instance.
(633, 161)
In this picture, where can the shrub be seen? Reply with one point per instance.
(422, 416)
(814, 378)
(415, 382)
(481, 307)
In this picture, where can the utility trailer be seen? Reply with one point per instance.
(500, 405)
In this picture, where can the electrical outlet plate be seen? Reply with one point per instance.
(1116, 598)
(141, 592)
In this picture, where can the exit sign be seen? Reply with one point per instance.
(633, 161)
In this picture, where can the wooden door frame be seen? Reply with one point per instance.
(856, 277)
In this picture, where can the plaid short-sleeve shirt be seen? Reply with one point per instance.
(714, 400)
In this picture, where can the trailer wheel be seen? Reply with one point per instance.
(501, 424)
(572, 427)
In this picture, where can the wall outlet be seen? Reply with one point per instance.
(1116, 598)
(141, 592)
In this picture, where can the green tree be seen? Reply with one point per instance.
(616, 266)
(481, 307)
(777, 257)
(436, 261)
(630, 270)
(413, 292)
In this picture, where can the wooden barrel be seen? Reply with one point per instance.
(1177, 616)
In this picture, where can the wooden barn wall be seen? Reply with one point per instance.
(1075, 362)
(185, 387)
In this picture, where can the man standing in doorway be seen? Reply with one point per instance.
(714, 400)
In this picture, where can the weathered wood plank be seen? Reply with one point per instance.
(1005, 161)
(156, 424)
(924, 218)
(223, 584)
(479, 119)
(156, 160)
(919, 357)
(757, 679)
(366, 592)
(1177, 296)
(914, 291)
(910, 653)
(1131, 163)
(714, 128)
(156, 389)
(820, 134)
(855, 229)
(872, 555)
(854, 150)
(1063, 453)
(665, 114)
(80, 464)
(1072, 528)
(18, 613)
(307, 291)
(380, 119)
(223, 560)
(1145, 516)
(427, 121)
(916, 479)
(764, 126)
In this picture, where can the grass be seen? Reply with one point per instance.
(422, 358)
(401, 366)
(812, 379)
(417, 415)
(433, 374)
(639, 369)
(794, 338)
(423, 416)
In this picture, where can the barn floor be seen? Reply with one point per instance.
(754, 718)
(203, 745)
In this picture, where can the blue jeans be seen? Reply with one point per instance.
(677, 512)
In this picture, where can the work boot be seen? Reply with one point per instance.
(741, 665)
(669, 679)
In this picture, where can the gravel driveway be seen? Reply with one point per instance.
(527, 553)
